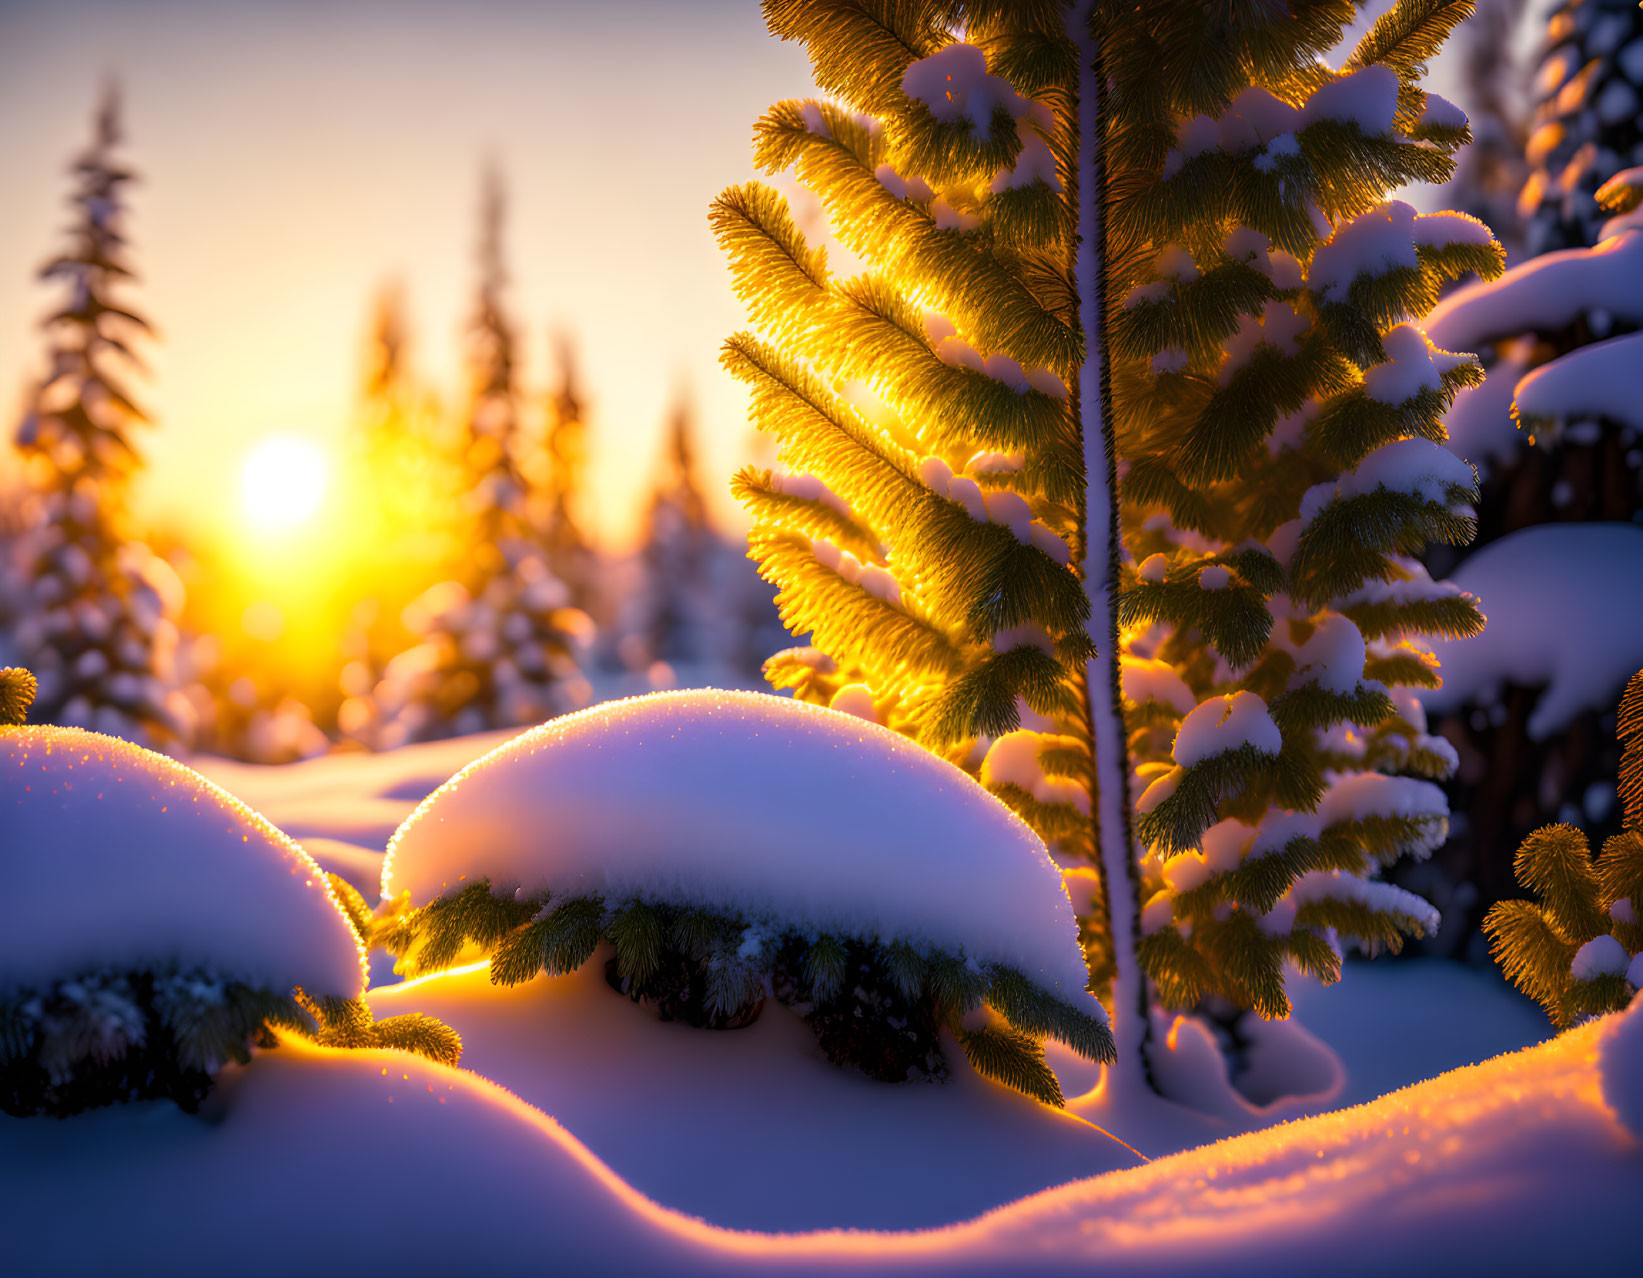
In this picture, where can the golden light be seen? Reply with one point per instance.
(282, 482)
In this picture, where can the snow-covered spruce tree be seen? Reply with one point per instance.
(1554, 432)
(1490, 172)
(1210, 306)
(500, 646)
(96, 622)
(1588, 119)
(1579, 953)
(154, 928)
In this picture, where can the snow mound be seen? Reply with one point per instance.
(1562, 614)
(775, 808)
(114, 856)
(1620, 1062)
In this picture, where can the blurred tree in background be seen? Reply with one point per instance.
(97, 615)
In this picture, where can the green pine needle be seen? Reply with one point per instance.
(1014, 1060)
(17, 689)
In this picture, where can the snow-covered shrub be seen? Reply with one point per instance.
(733, 847)
(1556, 625)
(1575, 952)
(153, 928)
(1579, 951)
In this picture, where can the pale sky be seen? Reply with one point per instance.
(296, 154)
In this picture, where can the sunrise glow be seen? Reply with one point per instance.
(282, 483)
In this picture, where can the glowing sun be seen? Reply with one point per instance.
(282, 482)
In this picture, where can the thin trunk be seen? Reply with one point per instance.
(1111, 771)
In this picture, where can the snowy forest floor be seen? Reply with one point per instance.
(580, 1132)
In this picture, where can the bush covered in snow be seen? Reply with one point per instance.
(154, 928)
(734, 847)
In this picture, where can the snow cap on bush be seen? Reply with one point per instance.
(116, 857)
(757, 804)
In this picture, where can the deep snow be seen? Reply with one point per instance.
(374, 1161)
(397, 1163)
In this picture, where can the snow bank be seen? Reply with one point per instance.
(759, 804)
(1563, 611)
(115, 856)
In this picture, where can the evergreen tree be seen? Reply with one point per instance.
(1106, 472)
(1588, 120)
(403, 481)
(499, 647)
(1490, 173)
(1579, 952)
(97, 624)
(675, 616)
(1554, 429)
(558, 480)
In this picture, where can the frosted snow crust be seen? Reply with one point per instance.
(776, 809)
(114, 856)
